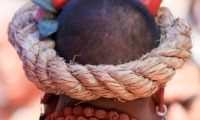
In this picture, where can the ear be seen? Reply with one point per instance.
(159, 98)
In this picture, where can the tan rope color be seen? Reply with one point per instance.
(136, 79)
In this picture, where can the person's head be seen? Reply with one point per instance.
(105, 31)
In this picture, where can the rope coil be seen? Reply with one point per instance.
(136, 79)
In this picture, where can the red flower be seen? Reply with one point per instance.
(152, 5)
(59, 3)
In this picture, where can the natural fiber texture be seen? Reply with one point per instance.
(136, 79)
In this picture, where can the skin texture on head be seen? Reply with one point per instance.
(107, 32)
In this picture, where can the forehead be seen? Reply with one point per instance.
(184, 84)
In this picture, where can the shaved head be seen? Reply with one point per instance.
(105, 31)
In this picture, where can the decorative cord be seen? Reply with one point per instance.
(135, 79)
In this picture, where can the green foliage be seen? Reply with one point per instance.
(46, 4)
(47, 27)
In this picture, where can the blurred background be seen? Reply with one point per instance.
(20, 99)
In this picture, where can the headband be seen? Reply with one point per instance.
(136, 79)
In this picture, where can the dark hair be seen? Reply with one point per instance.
(105, 31)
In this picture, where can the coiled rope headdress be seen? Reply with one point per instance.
(136, 79)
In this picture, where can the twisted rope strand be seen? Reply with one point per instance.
(136, 79)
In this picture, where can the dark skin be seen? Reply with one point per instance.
(140, 109)
(107, 32)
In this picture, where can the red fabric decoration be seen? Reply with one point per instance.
(59, 3)
(152, 5)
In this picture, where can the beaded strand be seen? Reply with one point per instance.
(87, 113)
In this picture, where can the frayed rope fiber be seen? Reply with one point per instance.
(136, 79)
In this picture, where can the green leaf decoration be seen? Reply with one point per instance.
(46, 4)
(47, 27)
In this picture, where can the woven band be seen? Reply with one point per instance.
(135, 79)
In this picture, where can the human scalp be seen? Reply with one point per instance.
(105, 31)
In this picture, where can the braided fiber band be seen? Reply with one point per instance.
(136, 79)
